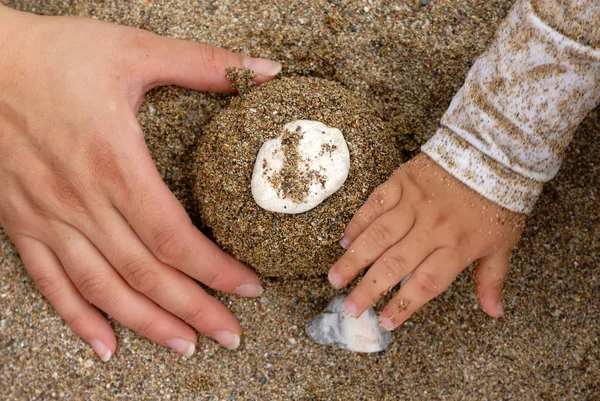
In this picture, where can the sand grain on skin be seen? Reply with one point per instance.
(408, 60)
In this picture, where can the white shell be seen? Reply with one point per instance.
(333, 165)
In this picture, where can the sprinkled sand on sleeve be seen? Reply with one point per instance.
(506, 130)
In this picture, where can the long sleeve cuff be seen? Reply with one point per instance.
(481, 173)
(507, 128)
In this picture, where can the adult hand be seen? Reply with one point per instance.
(81, 198)
(425, 222)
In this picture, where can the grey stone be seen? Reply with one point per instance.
(336, 328)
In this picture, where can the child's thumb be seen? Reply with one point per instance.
(489, 280)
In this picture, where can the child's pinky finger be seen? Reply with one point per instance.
(427, 281)
(50, 277)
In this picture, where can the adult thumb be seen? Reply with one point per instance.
(199, 66)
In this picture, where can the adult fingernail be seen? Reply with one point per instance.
(249, 290)
(345, 242)
(262, 66)
(386, 323)
(500, 308)
(101, 350)
(336, 280)
(181, 346)
(227, 339)
(350, 308)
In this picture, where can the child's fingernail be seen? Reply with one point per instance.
(181, 346)
(350, 308)
(227, 339)
(101, 350)
(249, 290)
(500, 308)
(262, 66)
(336, 280)
(345, 242)
(386, 323)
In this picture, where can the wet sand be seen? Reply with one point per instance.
(408, 60)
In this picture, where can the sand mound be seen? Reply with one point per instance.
(278, 244)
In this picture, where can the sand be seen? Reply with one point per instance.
(278, 244)
(408, 60)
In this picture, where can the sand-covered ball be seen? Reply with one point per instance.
(280, 244)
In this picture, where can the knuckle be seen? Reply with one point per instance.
(194, 315)
(138, 42)
(376, 201)
(354, 226)
(47, 284)
(209, 58)
(458, 241)
(138, 39)
(492, 281)
(96, 290)
(75, 322)
(439, 220)
(169, 246)
(145, 326)
(380, 232)
(216, 277)
(497, 283)
(103, 166)
(141, 278)
(428, 283)
(394, 265)
(66, 193)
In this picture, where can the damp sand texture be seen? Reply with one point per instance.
(278, 244)
(407, 60)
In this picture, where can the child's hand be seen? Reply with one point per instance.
(425, 222)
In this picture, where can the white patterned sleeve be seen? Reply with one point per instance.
(507, 128)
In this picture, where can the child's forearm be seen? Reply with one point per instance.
(506, 129)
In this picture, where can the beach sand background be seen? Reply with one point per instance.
(408, 59)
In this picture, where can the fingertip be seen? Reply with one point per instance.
(491, 305)
(386, 323)
(102, 350)
(345, 242)
(336, 279)
(499, 309)
(182, 346)
(489, 280)
(351, 309)
(227, 339)
(262, 66)
(54, 283)
(249, 290)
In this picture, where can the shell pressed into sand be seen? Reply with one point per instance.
(320, 168)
